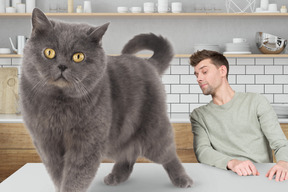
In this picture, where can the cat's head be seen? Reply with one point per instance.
(63, 58)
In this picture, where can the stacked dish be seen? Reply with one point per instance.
(5, 51)
(210, 47)
(239, 46)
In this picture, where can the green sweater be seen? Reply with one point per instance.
(245, 128)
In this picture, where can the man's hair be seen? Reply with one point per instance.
(216, 58)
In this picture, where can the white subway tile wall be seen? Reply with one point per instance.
(268, 76)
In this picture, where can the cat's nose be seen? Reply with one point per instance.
(62, 67)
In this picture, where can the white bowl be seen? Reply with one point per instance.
(211, 47)
(5, 51)
(122, 9)
(240, 47)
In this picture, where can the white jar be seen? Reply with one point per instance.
(79, 9)
(20, 8)
(283, 9)
(87, 7)
(30, 5)
(2, 6)
(14, 3)
(264, 5)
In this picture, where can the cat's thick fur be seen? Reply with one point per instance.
(104, 106)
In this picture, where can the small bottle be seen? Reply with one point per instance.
(79, 9)
(283, 9)
(70, 6)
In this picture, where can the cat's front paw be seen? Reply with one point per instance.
(184, 181)
(111, 179)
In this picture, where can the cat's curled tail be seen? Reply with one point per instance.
(163, 51)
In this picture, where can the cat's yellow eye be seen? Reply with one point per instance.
(78, 57)
(49, 53)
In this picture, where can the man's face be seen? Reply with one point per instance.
(209, 77)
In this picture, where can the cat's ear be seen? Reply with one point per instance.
(40, 22)
(97, 33)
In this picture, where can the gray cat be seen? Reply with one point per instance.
(81, 106)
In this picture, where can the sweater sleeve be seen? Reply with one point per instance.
(202, 146)
(272, 129)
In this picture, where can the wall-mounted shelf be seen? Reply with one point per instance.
(242, 55)
(181, 55)
(10, 56)
(258, 55)
(144, 14)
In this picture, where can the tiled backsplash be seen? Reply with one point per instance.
(268, 76)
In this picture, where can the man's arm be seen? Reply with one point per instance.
(202, 146)
(277, 140)
(207, 155)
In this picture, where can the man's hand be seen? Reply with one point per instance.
(280, 170)
(242, 168)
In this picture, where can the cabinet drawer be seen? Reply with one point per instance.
(14, 136)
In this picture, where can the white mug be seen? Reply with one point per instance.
(239, 40)
(2, 6)
(162, 2)
(264, 5)
(272, 7)
(20, 8)
(30, 5)
(122, 9)
(163, 6)
(163, 9)
(176, 7)
(10, 10)
(136, 9)
(149, 7)
(14, 3)
(87, 7)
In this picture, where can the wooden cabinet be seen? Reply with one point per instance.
(17, 149)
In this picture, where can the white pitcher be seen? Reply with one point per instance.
(20, 44)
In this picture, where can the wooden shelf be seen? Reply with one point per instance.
(181, 55)
(142, 14)
(226, 55)
(242, 55)
(10, 56)
(257, 55)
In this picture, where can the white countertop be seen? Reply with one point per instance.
(13, 118)
(10, 118)
(151, 177)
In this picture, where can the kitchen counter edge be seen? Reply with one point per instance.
(13, 118)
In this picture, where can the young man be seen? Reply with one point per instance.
(235, 129)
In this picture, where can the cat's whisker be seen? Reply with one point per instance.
(81, 87)
(36, 88)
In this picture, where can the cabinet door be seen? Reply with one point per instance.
(16, 149)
